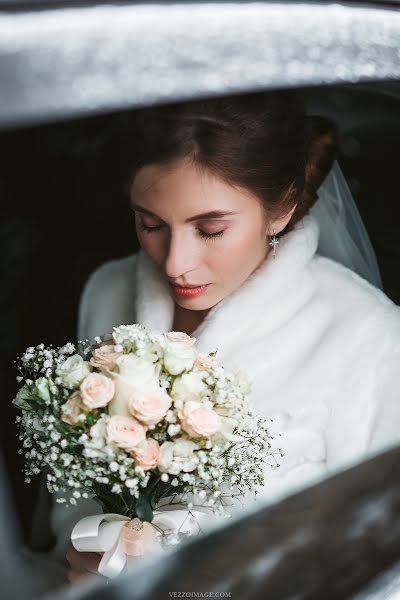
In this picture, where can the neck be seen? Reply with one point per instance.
(187, 320)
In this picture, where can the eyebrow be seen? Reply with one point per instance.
(214, 214)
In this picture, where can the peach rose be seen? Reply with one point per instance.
(147, 454)
(125, 432)
(135, 373)
(105, 357)
(204, 362)
(72, 409)
(180, 336)
(97, 390)
(149, 407)
(199, 420)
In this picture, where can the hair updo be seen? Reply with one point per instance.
(264, 142)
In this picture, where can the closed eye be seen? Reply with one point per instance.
(202, 234)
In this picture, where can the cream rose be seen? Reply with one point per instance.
(72, 409)
(147, 454)
(150, 407)
(180, 336)
(135, 374)
(199, 420)
(97, 390)
(178, 456)
(105, 357)
(125, 432)
(178, 357)
(73, 371)
(189, 386)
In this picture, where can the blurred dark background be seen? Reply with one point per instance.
(65, 210)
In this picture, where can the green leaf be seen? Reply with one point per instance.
(23, 399)
(90, 419)
(21, 404)
(143, 507)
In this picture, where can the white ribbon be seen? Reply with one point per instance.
(102, 533)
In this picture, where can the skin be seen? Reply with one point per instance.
(182, 255)
(81, 564)
(175, 194)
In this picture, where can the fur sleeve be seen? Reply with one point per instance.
(385, 427)
(107, 299)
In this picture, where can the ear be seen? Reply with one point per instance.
(277, 225)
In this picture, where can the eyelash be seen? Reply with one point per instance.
(207, 236)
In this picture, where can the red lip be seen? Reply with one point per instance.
(188, 292)
(189, 287)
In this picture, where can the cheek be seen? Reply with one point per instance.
(151, 244)
(239, 258)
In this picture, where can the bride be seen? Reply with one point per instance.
(241, 213)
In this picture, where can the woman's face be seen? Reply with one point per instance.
(198, 230)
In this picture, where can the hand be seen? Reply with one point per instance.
(82, 564)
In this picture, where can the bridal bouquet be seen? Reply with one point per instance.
(141, 417)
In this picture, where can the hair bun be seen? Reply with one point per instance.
(322, 151)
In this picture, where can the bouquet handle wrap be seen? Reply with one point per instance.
(106, 533)
(102, 533)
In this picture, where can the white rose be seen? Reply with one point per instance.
(135, 375)
(178, 357)
(42, 388)
(227, 426)
(189, 386)
(73, 371)
(177, 456)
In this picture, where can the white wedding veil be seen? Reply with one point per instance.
(343, 236)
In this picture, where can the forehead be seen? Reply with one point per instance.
(185, 183)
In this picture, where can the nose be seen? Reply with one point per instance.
(181, 255)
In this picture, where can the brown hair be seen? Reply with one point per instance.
(263, 142)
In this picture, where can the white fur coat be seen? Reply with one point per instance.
(321, 345)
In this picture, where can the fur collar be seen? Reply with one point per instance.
(262, 304)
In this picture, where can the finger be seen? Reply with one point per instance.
(83, 561)
(92, 564)
(89, 561)
(74, 558)
(76, 576)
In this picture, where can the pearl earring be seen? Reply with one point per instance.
(274, 242)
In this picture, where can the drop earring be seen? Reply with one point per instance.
(274, 242)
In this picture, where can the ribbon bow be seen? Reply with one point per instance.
(117, 536)
(120, 537)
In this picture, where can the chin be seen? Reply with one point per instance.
(195, 303)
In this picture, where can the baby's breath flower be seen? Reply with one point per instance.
(79, 459)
